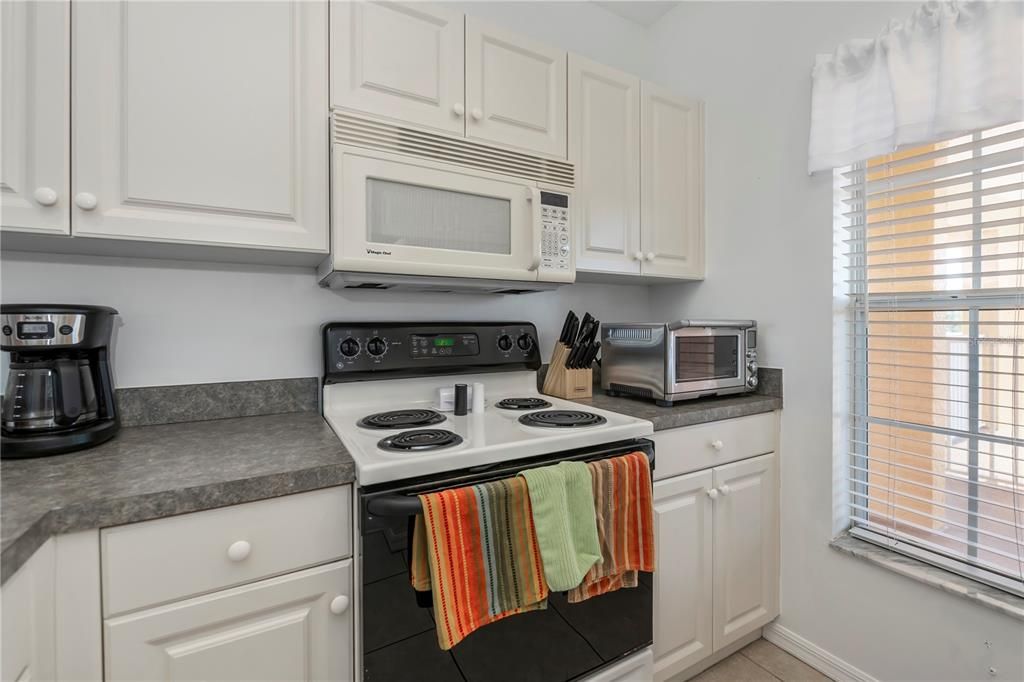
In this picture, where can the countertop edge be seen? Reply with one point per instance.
(756, 405)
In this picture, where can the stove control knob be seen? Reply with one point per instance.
(376, 347)
(349, 347)
(525, 342)
(505, 343)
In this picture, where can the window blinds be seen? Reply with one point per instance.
(934, 270)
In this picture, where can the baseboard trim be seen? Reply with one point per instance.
(813, 655)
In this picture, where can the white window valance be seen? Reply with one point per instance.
(952, 67)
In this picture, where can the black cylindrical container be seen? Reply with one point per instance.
(461, 400)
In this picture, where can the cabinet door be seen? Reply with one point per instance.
(604, 144)
(34, 134)
(746, 547)
(683, 579)
(290, 628)
(400, 60)
(515, 90)
(28, 630)
(671, 184)
(201, 122)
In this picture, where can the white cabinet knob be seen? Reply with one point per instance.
(717, 444)
(477, 114)
(650, 255)
(339, 604)
(85, 201)
(239, 551)
(639, 255)
(459, 109)
(724, 489)
(45, 196)
(713, 493)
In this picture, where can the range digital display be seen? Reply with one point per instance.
(440, 346)
(444, 341)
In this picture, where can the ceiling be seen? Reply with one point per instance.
(643, 12)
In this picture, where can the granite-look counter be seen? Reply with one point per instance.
(686, 413)
(149, 472)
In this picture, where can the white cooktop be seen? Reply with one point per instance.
(494, 436)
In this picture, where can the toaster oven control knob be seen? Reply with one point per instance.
(752, 367)
(349, 347)
(376, 347)
(525, 342)
(752, 381)
(505, 343)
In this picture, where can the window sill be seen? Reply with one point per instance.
(952, 583)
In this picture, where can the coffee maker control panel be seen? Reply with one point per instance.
(26, 330)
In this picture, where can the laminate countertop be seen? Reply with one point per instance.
(685, 413)
(149, 472)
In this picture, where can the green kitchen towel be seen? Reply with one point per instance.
(562, 500)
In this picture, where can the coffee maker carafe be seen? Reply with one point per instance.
(59, 395)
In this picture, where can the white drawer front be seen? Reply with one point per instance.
(692, 448)
(182, 556)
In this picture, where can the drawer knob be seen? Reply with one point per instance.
(85, 201)
(459, 109)
(339, 605)
(639, 255)
(724, 489)
(717, 444)
(477, 113)
(239, 551)
(45, 196)
(713, 493)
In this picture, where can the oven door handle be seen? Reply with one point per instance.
(537, 227)
(394, 505)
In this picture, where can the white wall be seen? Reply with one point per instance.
(770, 257)
(195, 323)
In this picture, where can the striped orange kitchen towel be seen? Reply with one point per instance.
(625, 524)
(476, 549)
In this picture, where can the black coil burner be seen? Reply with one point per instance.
(522, 404)
(401, 419)
(562, 419)
(420, 440)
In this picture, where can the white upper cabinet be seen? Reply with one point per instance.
(201, 123)
(604, 145)
(34, 171)
(746, 590)
(672, 184)
(399, 60)
(515, 90)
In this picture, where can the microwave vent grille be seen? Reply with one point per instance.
(631, 333)
(357, 131)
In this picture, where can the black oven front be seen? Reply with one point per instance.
(563, 642)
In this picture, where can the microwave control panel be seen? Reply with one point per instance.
(556, 237)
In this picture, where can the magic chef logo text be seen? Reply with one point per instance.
(375, 252)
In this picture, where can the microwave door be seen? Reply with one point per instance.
(704, 359)
(399, 215)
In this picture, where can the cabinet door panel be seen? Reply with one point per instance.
(400, 60)
(34, 116)
(683, 579)
(220, 137)
(515, 90)
(672, 184)
(278, 629)
(604, 144)
(27, 630)
(746, 547)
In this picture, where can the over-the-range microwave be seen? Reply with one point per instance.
(418, 210)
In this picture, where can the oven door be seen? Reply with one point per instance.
(402, 215)
(705, 359)
(563, 642)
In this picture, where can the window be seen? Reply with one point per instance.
(933, 267)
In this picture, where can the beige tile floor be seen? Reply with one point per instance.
(760, 661)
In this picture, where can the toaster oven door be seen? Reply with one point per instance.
(706, 359)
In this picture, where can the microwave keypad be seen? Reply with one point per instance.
(555, 240)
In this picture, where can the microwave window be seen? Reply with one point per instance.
(411, 215)
(699, 358)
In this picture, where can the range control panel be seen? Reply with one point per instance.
(352, 350)
(556, 242)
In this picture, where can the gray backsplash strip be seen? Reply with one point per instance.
(199, 402)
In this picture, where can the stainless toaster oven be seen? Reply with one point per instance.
(680, 360)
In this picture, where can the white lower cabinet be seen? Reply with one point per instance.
(717, 577)
(295, 627)
(28, 628)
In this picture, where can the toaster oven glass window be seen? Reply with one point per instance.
(412, 215)
(701, 358)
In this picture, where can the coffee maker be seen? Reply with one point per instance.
(59, 395)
